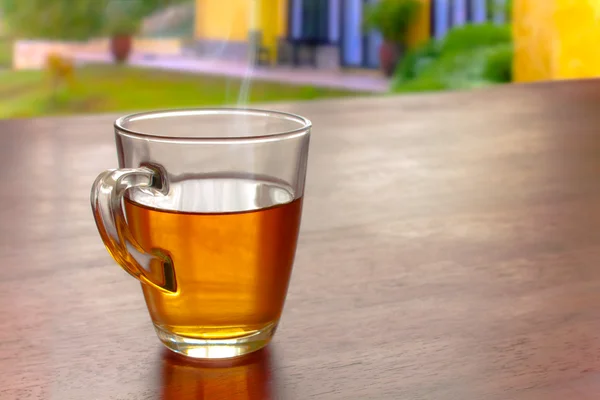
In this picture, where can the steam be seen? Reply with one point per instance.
(244, 94)
(242, 125)
(217, 54)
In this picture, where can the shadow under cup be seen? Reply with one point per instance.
(205, 210)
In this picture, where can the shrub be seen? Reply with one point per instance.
(469, 56)
(6, 52)
(499, 62)
(470, 37)
(60, 69)
(61, 75)
(416, 60)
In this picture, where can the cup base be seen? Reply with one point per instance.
(215, 349)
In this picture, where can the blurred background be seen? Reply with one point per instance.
(86, 56)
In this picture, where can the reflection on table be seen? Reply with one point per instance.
(247, 378)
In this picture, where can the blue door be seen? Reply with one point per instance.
(358, 48)
(336, 22)
(309, 20)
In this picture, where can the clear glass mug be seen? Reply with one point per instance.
(205, 210)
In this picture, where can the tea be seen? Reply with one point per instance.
(232, 243)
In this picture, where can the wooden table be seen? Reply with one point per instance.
(449, 250)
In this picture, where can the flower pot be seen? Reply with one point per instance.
(389, 53)
(120, 47)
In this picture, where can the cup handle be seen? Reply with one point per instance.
(106, 198)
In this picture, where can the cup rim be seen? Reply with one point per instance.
(120, 124)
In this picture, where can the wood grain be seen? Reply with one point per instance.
(449, 250)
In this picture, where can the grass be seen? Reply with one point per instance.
(110, 88)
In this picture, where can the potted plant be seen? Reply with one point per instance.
(123, 19)
(392, 18)
(120, 31)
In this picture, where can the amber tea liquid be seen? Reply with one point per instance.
(232, 243)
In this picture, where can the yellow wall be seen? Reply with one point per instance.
(270, 23)
(578, 27)
(223, 19)
(232, 20)
(556, 39)
(420, 30)
(282, 23)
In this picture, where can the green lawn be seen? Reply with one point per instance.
(114, 88)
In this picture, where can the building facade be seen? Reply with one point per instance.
(229, 31)
(335, 26)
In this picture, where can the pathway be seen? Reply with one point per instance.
(358, 81)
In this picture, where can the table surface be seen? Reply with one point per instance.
(449, 250)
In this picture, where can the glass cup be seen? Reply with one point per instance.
(204, 211)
